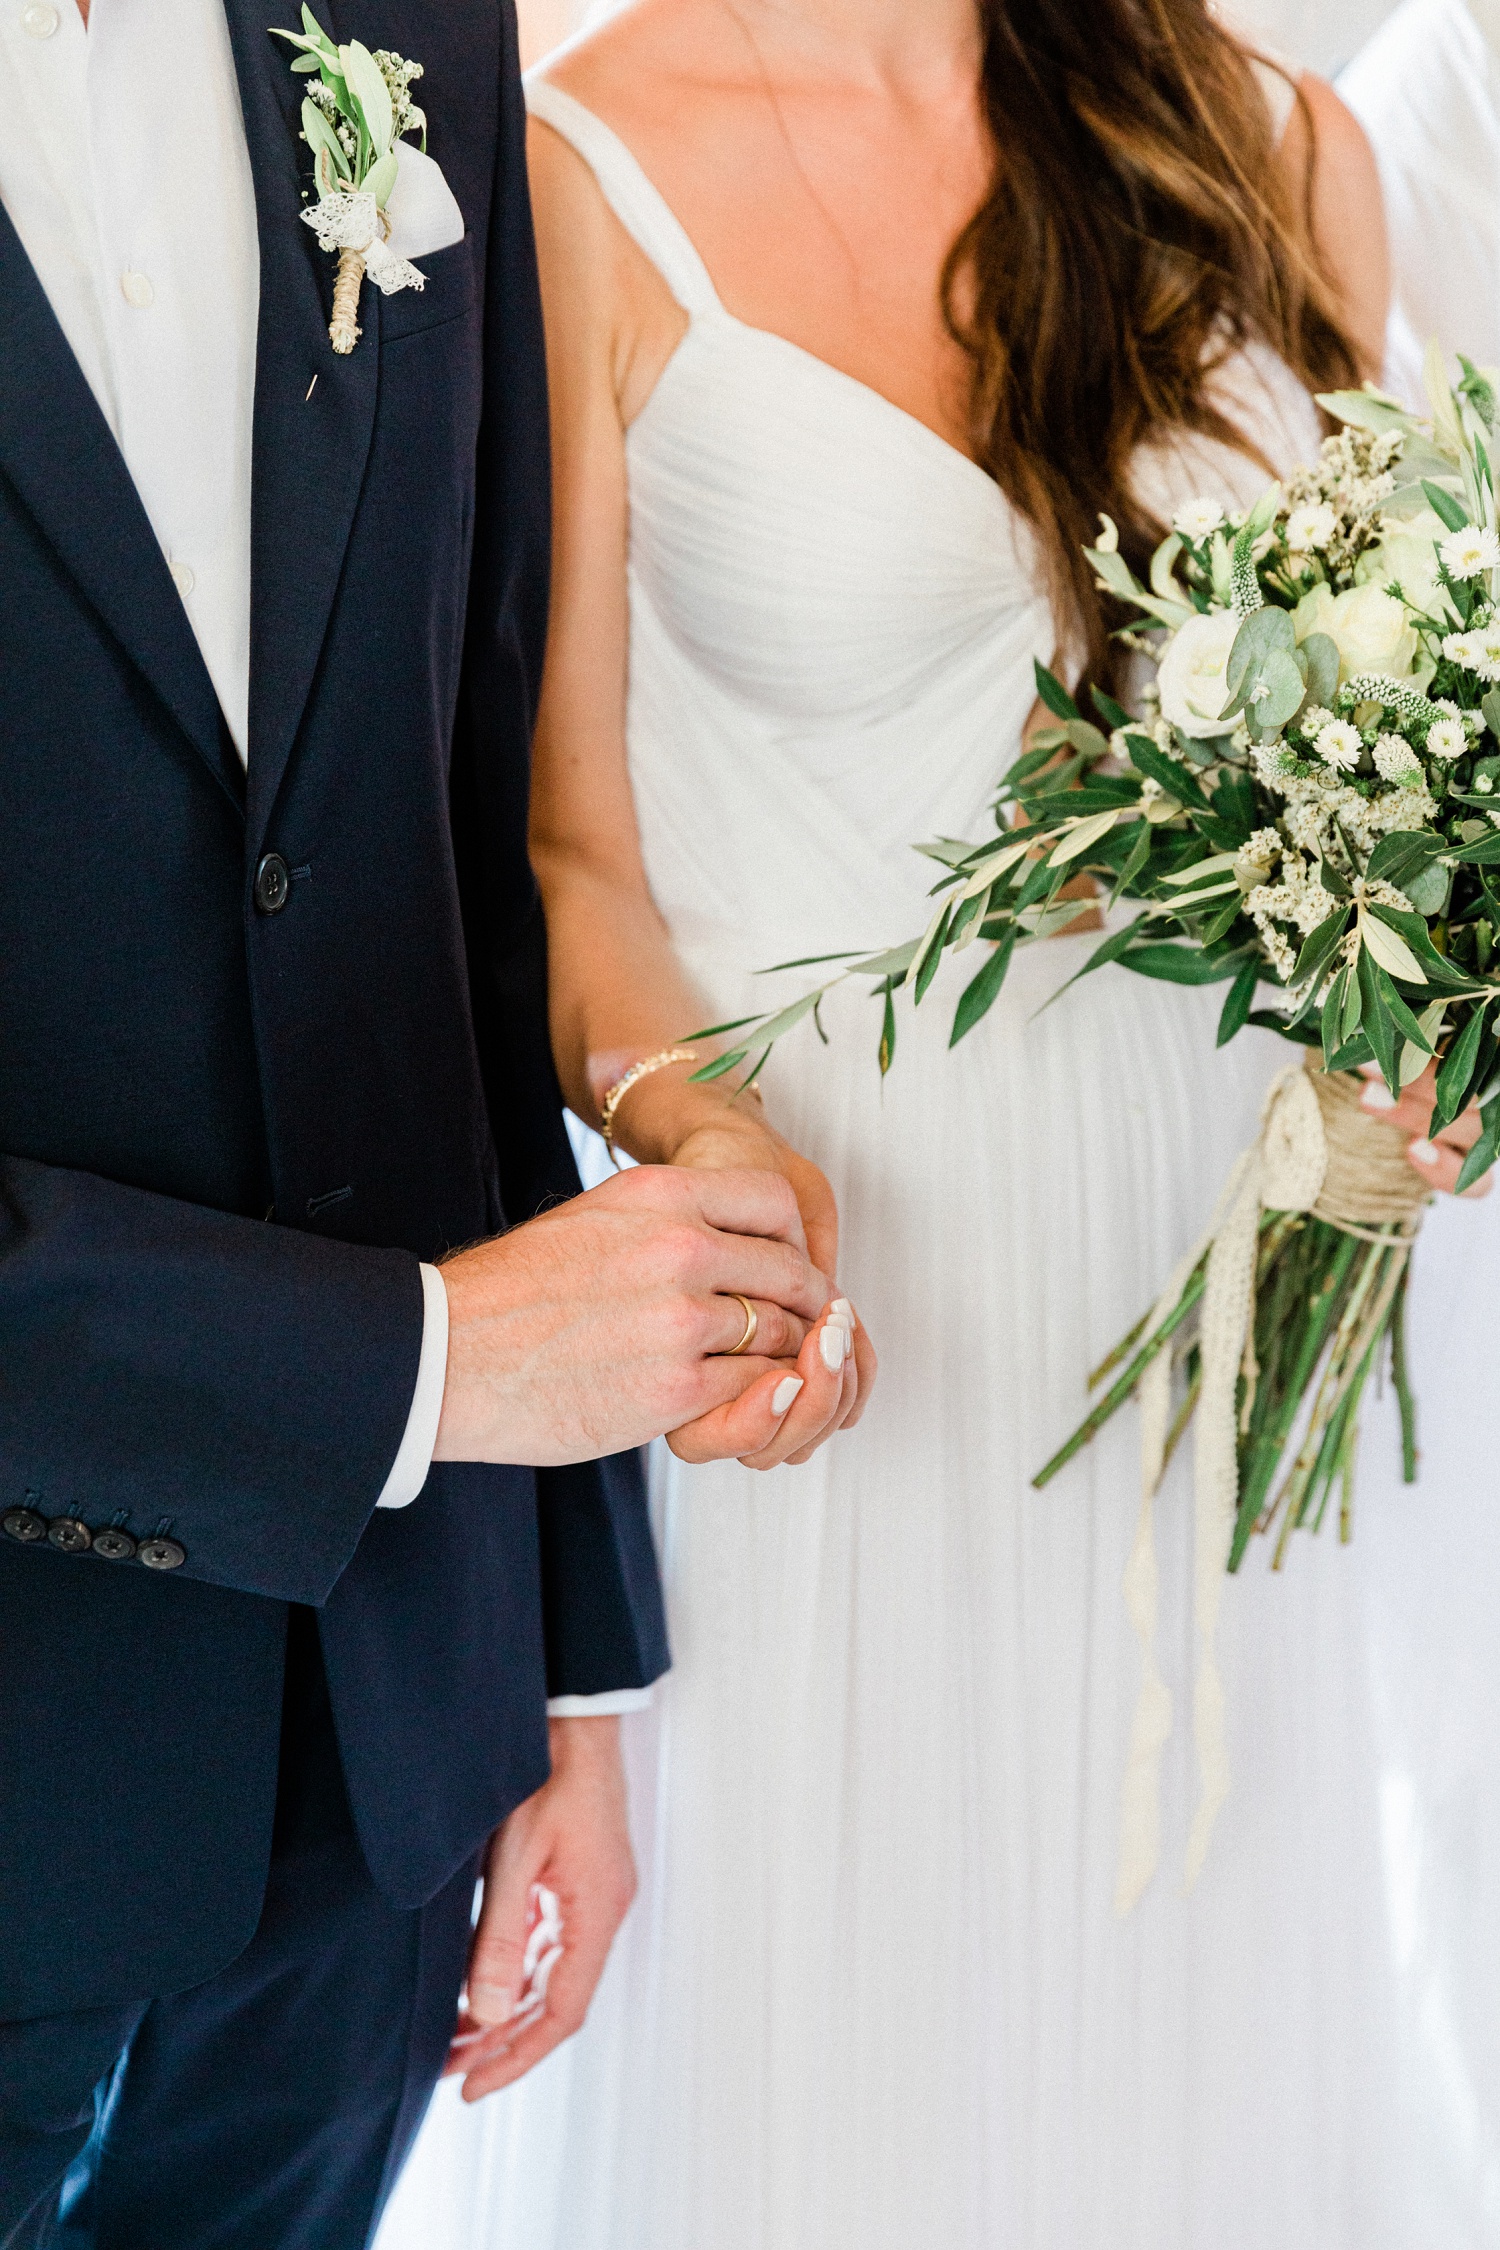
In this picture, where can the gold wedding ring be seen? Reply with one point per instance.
(752, 1322)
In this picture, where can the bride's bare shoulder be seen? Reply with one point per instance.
(639, 67)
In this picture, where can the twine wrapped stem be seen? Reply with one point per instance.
(344, 330)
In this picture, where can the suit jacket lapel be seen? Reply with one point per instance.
(60, 455)
(314, 412)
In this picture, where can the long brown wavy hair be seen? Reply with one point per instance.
(1138, 227)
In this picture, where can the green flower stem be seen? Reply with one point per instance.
(1116, 1396)
(1320, 1440)
(1303, 1342)
(1402, 1382)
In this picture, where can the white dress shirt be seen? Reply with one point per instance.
(124, 170)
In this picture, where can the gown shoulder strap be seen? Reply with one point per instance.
(641, 209)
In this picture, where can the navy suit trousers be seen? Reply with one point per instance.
(273, 2104)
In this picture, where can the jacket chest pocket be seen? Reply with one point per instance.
(448, 295)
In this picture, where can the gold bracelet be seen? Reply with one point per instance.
(622, 1086)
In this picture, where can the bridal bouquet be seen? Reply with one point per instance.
(1306, 807)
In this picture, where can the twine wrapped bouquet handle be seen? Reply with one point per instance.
(1320, 1155)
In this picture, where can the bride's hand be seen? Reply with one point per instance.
(740, 1137)
(1438, 1159)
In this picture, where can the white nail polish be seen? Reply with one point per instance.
(833, 1343)
(1377, 1096)
(785, 1391)
(1425, 1152)
(841, 1309)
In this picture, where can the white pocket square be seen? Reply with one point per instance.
(422, 209)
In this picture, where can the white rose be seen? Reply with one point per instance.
(1190, 680)
(1407, 557)
(1369, 627)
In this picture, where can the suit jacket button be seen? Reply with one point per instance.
(23, 1524)
(113, 1545)
(73, 1537)
(160, 1554)
(272, 884)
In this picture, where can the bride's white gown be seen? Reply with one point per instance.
(873, 1995)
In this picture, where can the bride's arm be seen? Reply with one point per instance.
(1335, 181)
(617, 990)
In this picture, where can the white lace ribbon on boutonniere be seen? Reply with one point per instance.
(352, 220)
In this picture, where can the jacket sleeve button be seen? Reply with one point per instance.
(113, 1545)
(73, 1537)
(161, 1554)
(23, 1524)
(272, 884)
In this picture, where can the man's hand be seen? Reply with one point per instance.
(572, 1838)
(1438, 1159)
(613, 1319)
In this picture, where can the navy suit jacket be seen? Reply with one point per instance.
(229, 1136)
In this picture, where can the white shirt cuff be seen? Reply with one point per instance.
(414, 1459)
(612, 1705)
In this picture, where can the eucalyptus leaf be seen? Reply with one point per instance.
(1322, 653)
(1265, 630)
(1285, 690)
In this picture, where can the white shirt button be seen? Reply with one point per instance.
(182, 578)
(136, 289)
(40, 20)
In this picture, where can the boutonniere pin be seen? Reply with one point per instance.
(356, 108)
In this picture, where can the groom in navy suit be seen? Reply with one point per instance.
(300, 1532)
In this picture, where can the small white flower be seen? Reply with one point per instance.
(1339, 744)
(1467, 552)
(1198, 519)
(1394, 758)
(1461, 648)
(1447, 738)
(1314, 719)
(1310, 528)
(1482, 787)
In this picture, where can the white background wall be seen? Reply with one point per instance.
(1321, 33)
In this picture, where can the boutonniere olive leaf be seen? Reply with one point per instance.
(357, 106)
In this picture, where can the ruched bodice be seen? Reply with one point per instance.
(834, 615)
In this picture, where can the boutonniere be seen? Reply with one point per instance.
(356, 109)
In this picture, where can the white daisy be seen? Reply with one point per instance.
(1309, 528)
(1198, 519)
(1313, 719)
(1467, 552)
(1447, 738)
(1393, 757)
(1339, 744)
